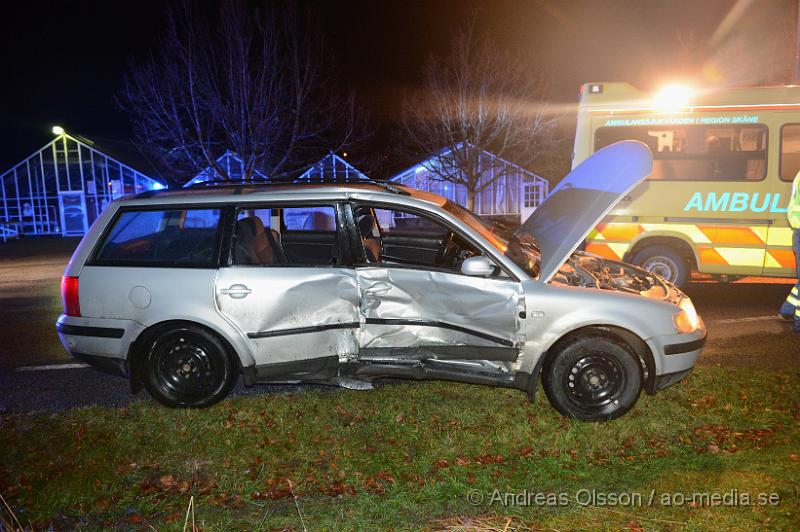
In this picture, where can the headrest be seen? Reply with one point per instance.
(366, 223)
(252, 224)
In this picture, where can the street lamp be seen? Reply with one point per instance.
(58, 130)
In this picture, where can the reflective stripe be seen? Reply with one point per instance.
(794, 291)
(734, 235)
(599, 248)
(690, 230)
(792, 301)
(780, 236)
(751, 257)
(710, 256)
(618, 249)
(715, 244)
(779, 258)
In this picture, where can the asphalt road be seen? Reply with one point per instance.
(30, 302)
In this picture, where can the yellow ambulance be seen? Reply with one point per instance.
(724, 161)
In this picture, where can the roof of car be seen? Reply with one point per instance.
(255, 191)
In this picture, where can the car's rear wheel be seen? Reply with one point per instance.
(188, 367)
(593, 378)
(664, 261)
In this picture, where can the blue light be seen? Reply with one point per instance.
(158, 186)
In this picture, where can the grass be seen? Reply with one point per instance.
(408, 456)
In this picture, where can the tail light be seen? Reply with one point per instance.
(69, 295)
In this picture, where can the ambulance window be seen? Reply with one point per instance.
(698, 153)
(790, 151)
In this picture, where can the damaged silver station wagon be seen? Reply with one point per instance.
(343, 283)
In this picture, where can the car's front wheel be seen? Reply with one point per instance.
(188, 367)
(593, 378)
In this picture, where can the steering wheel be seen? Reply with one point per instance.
(448, 250)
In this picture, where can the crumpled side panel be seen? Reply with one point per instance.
(487, 306)
(286, 299)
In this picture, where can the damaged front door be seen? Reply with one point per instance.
(287, 291)
(419, 304)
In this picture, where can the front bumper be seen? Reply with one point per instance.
(675, 356)
(662, 381)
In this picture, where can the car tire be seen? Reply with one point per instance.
(664, 261)
(593, 378)
(188, 367)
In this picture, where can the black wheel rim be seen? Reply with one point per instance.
(185, 367)
(595, 381)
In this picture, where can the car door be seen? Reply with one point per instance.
(412, 306)
(298, 310)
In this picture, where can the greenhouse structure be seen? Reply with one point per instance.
(509, 192)
(329, 168)
(63, 187)
(231, 164)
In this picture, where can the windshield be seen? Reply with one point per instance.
(521, 249)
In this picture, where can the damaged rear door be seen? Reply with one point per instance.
(286, 289)
(426, 308)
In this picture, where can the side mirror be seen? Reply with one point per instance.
(478, 266)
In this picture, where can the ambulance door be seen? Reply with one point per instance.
(780, 260)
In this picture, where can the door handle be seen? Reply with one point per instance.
(236, 291)
(377, 288)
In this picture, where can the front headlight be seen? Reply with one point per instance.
(686, 320)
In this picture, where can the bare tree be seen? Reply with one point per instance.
(255, 82)
(477, 99)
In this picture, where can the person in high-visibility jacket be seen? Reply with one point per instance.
(790, 310)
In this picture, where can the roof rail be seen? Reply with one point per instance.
(386, 185)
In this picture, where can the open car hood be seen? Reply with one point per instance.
(583, 198)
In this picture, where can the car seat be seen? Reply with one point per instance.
(370, 236)
(255, 244)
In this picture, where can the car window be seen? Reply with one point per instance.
(293, 236)
(309, 218)
(163, 237)
(698, 153)
(409, 224)
(790, 151)
(407, 239)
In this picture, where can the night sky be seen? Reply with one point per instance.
(63, 61)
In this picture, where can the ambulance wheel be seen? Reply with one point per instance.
(664, 261)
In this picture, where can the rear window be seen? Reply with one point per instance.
(162, 238)
(698, 153)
